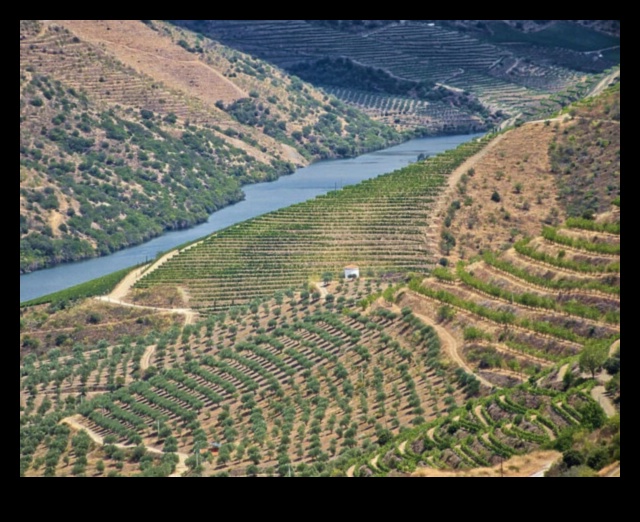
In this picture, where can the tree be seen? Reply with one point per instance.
(495, 196)
(254, 454)
(592, 358)
(327, 277)
(100, 466)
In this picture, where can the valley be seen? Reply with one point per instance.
(479, 334)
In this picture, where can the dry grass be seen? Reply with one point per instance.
(87, 323)
(148, 52)
(518, 169)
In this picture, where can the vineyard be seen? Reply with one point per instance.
(519, 323)
(483, 434)
(538, 303)
(432, 117)
(434, 359)
(501, 77)
(292, 381)
(379, 224)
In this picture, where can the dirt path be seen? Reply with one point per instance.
(481, 418)
(374, 462)
(612, 470)
(188, 313)
(602, 84)
(431, 432)
(124, 286)
(599, 395)
(517, 466)
(73, 421)
(542, 471)
(450, 346)
(402, 446)
(146, 357)
(351, 470)
(322, 289)
(562, 372)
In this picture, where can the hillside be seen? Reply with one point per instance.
(435, 361)
(128, 129)
(304, 384)
(539, 174)
(436, 75)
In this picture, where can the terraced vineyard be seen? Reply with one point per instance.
(409, 50)
(379, 224)
(486, 432)
(537, 304)
(432, 117)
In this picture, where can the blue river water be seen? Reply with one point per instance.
(305, 183)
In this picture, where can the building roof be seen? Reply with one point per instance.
(351, 267)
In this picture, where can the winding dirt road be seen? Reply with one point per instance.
(146, 357)
(450, 346)
(74, 422)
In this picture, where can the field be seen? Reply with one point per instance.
(380, 224)
(506, 78)
(433, 362)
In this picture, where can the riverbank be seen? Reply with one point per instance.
(306, 183)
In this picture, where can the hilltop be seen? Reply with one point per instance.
(131, 128)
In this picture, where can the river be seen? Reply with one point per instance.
(305, 183)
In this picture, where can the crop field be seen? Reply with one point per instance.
(493, 429)
(378, 224)
(410, 50)
(295, 380)
(536, 304)
(405, 112)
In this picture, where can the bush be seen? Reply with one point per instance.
(495, 196)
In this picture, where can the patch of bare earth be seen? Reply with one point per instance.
(148, 52)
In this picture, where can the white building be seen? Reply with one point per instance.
(351, 272)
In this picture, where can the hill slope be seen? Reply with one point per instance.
(437, 75)
(130, 128)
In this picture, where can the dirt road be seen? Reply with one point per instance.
(146, 357)
(451, 347)
(599, 395)
(74, 422)
(188, 313)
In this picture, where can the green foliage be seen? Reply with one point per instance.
(99, 286)
(593, 356)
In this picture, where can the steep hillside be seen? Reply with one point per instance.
(585, 157)
(438, 75)
(380, 224)
(537, 175)
(130, 128)
(277, 365)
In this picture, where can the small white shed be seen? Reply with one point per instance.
(351, 272)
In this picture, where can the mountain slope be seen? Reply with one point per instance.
(130, 128)
(436, 75)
